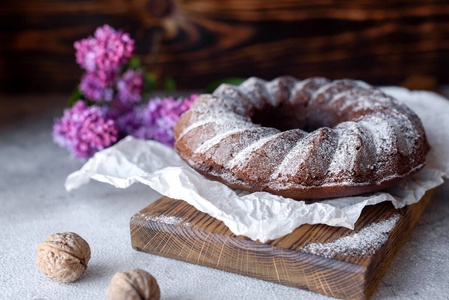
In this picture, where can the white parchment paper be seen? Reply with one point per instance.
(263, 216)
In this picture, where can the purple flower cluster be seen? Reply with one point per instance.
(159, 117)
(102, 56)
(84, 130)
(117, 92)
(96, 88)
(106, 51)
(129, 86)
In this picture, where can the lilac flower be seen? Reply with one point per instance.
(95, 87)
(108, 50)
(130, 86)
(87, 53)
(159, 118)
(84, 130)
(186, 104)
(127, 117)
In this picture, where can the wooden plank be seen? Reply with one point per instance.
(198, 41)
(314, 257)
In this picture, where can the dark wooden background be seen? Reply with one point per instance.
(198, 41)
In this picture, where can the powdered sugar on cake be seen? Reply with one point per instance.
(243, 155)
(216, 139)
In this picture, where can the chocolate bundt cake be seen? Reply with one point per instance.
(309, 139)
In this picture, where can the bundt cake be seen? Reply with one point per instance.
(309, 139)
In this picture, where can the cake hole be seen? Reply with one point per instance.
(284, 117)
(287, 116)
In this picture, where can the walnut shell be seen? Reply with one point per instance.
(63, 256)
(133, 284)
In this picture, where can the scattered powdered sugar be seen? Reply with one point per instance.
(329, 90)
(216, 139)
(382, 132)
(279, 86)
(221, 121)
(349, 141)
(298, 86)
(245, 153)
(364, 242)
(291, 161)
(346, 94)
(300, 155)
(171, 220)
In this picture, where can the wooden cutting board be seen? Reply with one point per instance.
(333, 261)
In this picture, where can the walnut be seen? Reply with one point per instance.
(63, 256)
(133, 284)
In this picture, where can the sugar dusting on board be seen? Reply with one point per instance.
(170, 220)
(364, 242)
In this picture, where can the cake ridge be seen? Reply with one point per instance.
(208, 121)
(258, 85)
(240, 157)
(332, 84)
(298, 155)
(229, 91)
(213, 141)
(352, 139)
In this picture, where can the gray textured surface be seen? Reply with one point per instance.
(34, 205)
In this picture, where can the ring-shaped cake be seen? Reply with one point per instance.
(309, 139)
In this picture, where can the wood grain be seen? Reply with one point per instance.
(199, 41)
(175, 229)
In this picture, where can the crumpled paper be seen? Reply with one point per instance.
(263, 216)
